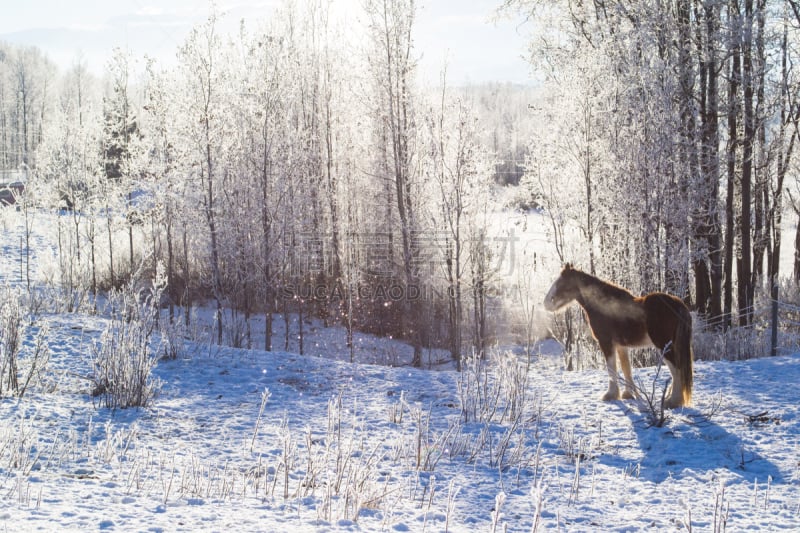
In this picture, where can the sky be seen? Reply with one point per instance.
(477, 45)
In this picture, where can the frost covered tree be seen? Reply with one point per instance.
(700, 109)
(122, 149)
(392, 65)
(174, 197)
(30, 93)
(458, 173)
(204, 130)
(262, 144)
(68, 175)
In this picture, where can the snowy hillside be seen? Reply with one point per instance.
(256, 441)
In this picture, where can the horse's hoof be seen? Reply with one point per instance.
(672, 404)
(627, 395)
(610, 396)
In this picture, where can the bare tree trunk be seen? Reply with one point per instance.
(91, 238)
(212, 228)
(790, 118)
(332, 182)
(687, 148)
(710, 227)
(187, 292)
(797, 247)
(130, 230)
(479, 281)
(109, 231)
(269, 311)
(286, 324)
(762, 197)
(266, 254)
(733, 142)
(746, 289)
(170, 266)
(300, 330)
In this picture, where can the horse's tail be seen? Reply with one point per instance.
(683, 354)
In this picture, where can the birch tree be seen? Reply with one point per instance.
(204, 129)
(390, 25)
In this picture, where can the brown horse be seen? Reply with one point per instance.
(619, 320)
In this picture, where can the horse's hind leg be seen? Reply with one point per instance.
(611, 365)
(625, 363)
(676, 397)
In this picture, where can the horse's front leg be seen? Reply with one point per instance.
(625, 363)
(611, 365)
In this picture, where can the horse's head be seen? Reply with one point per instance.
(564, 290)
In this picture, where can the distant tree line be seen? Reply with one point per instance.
(280, 171)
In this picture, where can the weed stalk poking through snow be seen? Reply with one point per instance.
(264, 398)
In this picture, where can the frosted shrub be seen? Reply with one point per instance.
(173, 334)
(123, 361)
(512, 377)
(10, 331)
(494, 389)
(734, 344)
(477, 395)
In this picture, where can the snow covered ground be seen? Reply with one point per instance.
(247, 440)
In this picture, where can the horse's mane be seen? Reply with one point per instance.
(606, 288)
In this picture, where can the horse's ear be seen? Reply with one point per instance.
(567, 266)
